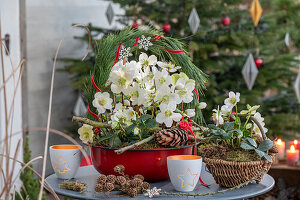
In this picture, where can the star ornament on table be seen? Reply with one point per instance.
(187, 179)
(144, 42)
(152, 192)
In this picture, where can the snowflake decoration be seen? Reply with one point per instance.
(124, 53)
(152, 192)
(144, 42)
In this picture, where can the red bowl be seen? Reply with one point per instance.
(151, 163)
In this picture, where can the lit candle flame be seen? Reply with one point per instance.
(292, 149)
(279, 141)
(295, 141)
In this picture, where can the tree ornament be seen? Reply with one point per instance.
(172, 137)
(287, 39)
(194, 21)
(297, 87)
(80, 108)
(124, 53)
(250, 72)
(144, 42)
(166, 28)
(135, 25)
(226, 21)
(255, 11)
(110, 13)
(258, 62)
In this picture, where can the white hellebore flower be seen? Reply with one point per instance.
(161, 77)
(184, 88)
(226, 109)
(146, 61)
(217, 117)
(258, 117)
(164, 94)
(136, 131)
(257, 130)
(233, 99)
(102, 102)
(168, 66)
(190, 112)
(202, 105)
(86, 133)
(137, 94)
(130, 114)
(167, 115)
(122, 78)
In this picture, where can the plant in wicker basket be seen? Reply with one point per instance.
(137, 89)
(240, 149)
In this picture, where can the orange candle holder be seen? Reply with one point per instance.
(292, 156)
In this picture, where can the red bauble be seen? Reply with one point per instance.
(258, 62)
(226, 21)
(134, 25)
(166, 28)
(231, 119)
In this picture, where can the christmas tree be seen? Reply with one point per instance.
(220, 47)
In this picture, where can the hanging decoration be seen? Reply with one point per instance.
(258, 62)
(166, 28)
(250, 72)
(135, 25)
(287, 39)
(255, 11)
(110, 13)
(79, 108)
(297, 87)
(226, 21)
(194, 21)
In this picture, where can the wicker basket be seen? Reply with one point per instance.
(233, 173)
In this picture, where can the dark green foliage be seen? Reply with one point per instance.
(30, 183)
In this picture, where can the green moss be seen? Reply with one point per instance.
(242, 156)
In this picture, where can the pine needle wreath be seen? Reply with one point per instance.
(106, 48)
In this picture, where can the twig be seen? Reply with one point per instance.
(220, 191)
(122, 150)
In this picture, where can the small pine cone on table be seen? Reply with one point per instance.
(108, 187)
(119, 169)
(136, 183)
(139, 176)
(101, 179)
(98, 187)
(121, 180)
(111, 178)
(132, 192)
(146, 185)
(171, 137)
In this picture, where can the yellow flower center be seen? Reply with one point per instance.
(102, 101)
(131, 113)
(162, 80)
(165, 99)
(232, 100)
(168, 113)
(122, 81)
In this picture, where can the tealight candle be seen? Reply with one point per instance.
(292, 156)
(281, 148)
(296, 144)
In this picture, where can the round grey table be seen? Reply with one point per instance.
(89, 175)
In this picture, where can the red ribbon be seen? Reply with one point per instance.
(187, 127)
(157, 37)
(93, 114)
(97, 131)
(196, 93)
(117, 54)
(174, 51)
(95, 86)
(136, 41)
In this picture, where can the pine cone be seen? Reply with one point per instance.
(101, 179)
(139, 176)
(136, 183)
(171, 137)
(132, 192)
(146, 185)
(108, 187)
(98, 187)
(111, 179)
(119, 169)
(121, 180)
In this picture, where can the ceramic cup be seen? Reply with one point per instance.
(184, 171)
(65, 160)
